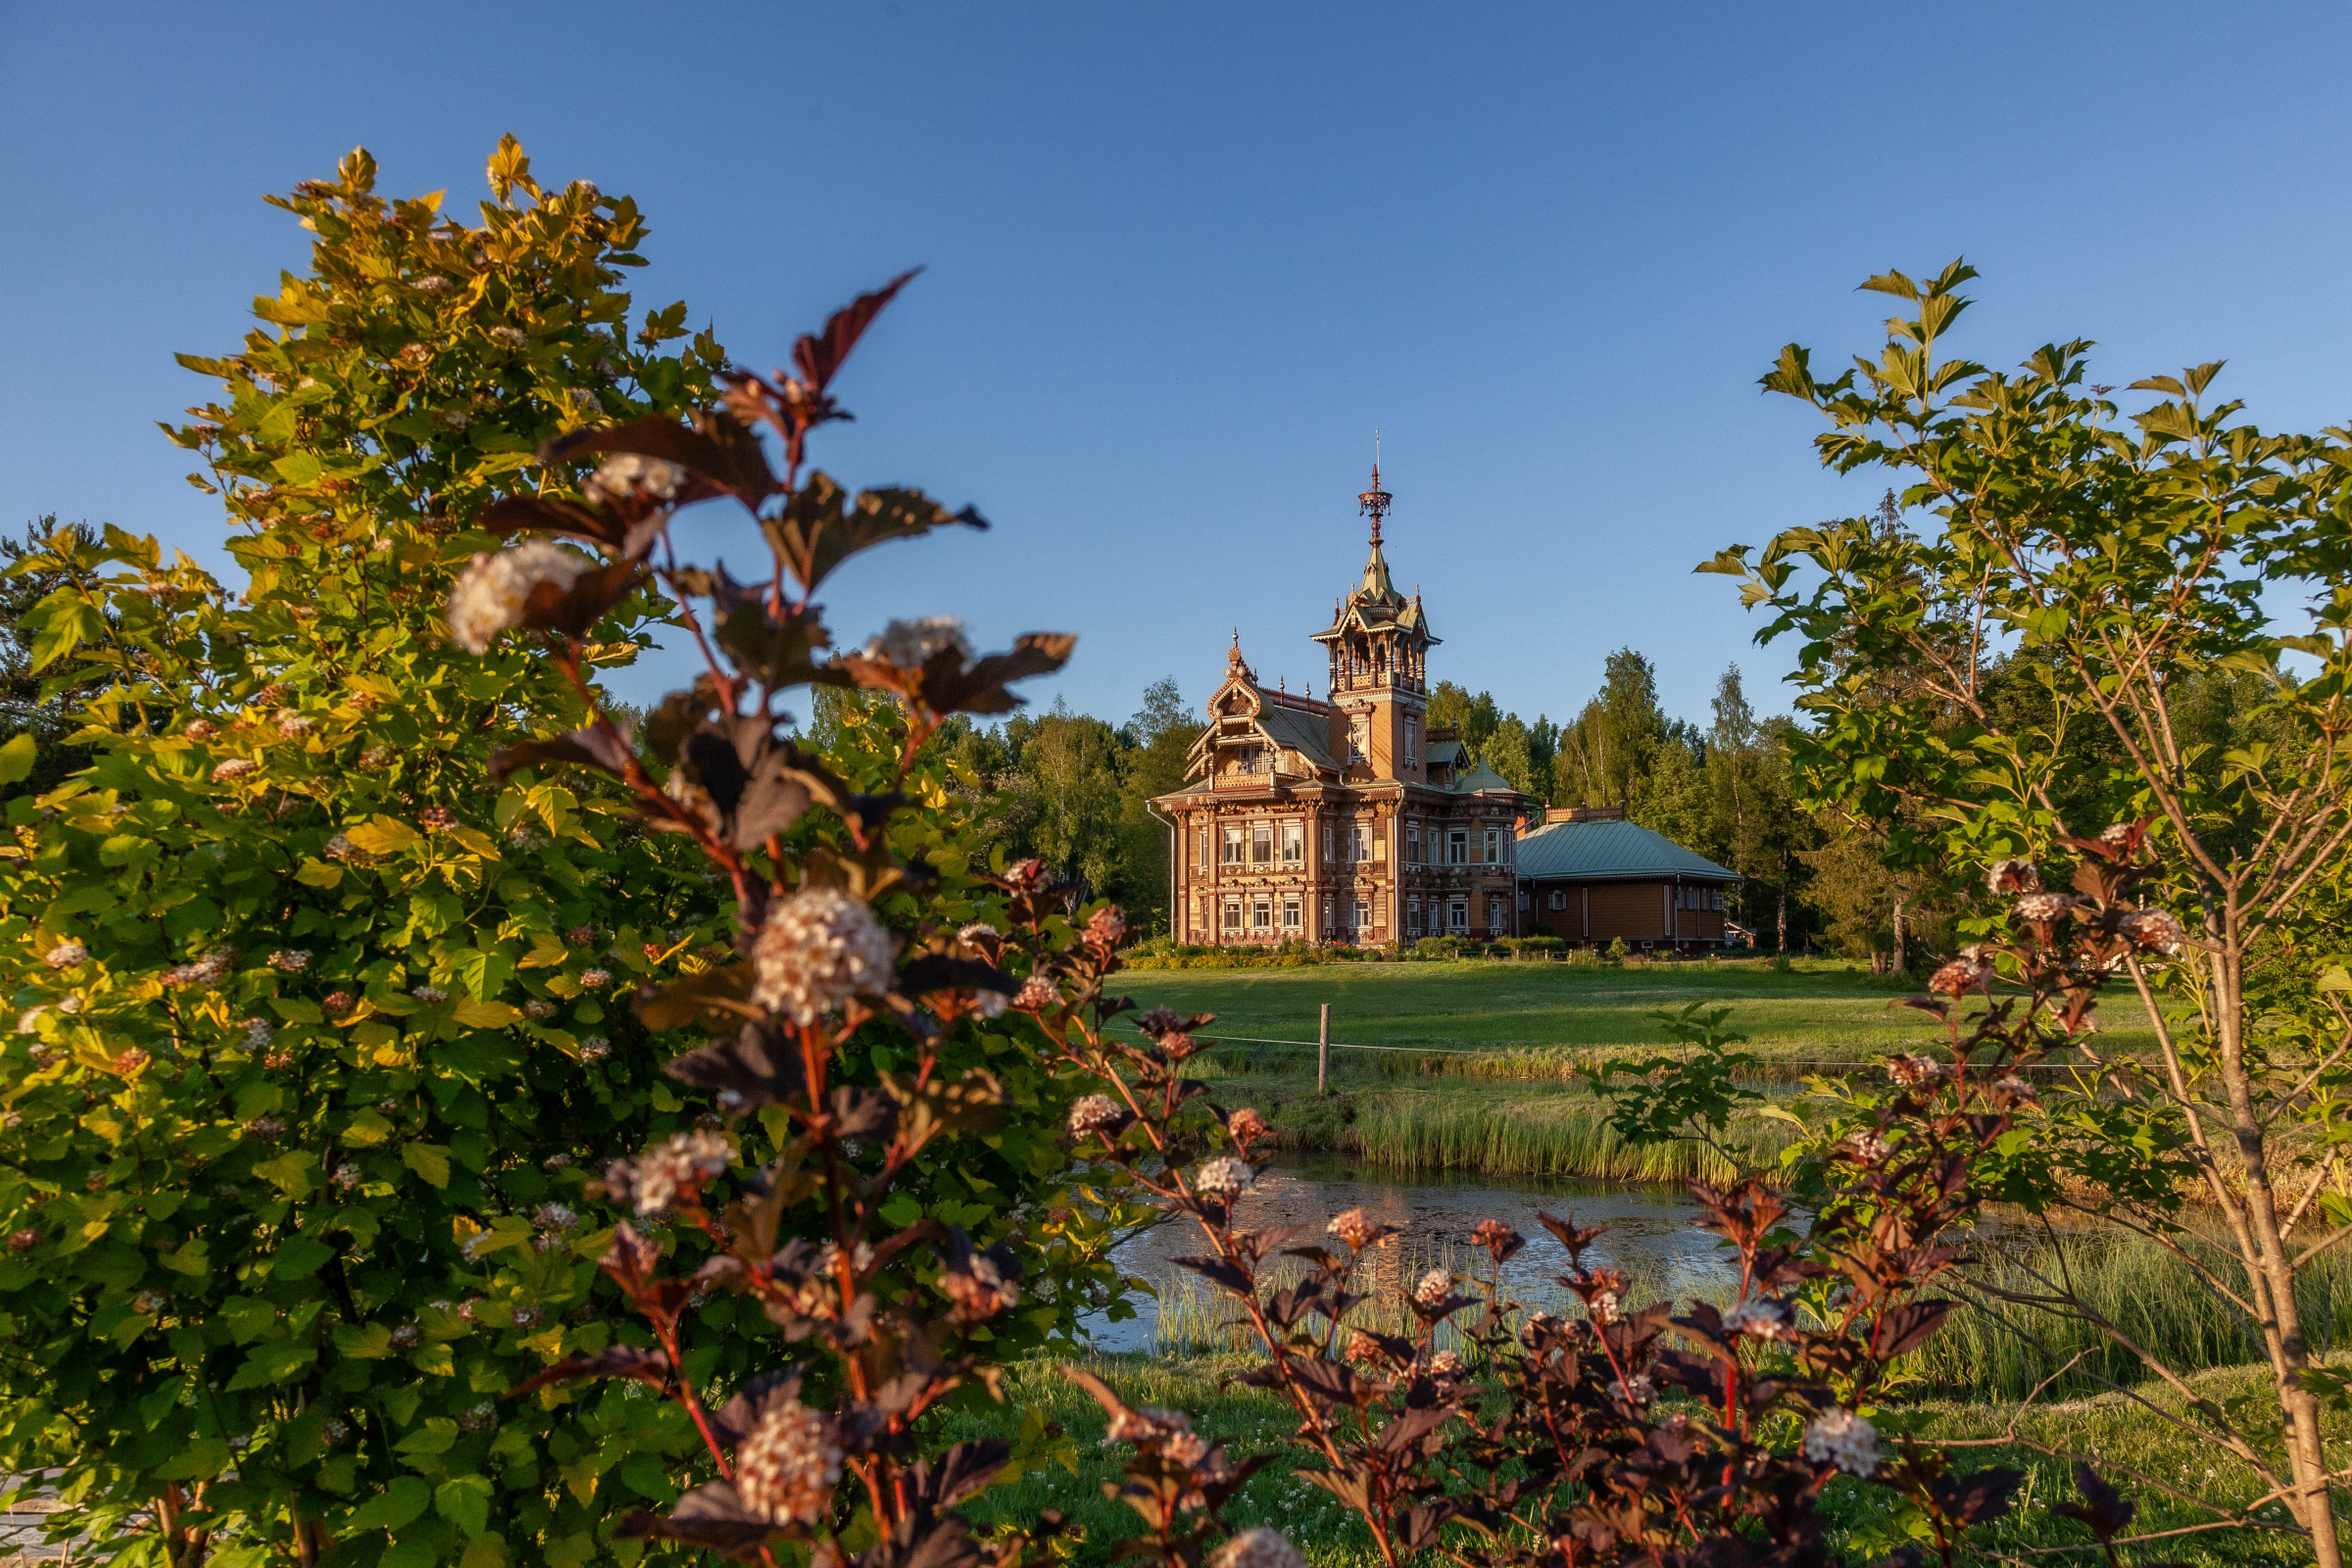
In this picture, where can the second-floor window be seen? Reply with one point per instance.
(1493, 846)
(1261, 844)
(1233, 846)
(1412, 843)
(1327, 842)
(1458, 847)
(1359, 841)
(1294, 842)
(1203, 860)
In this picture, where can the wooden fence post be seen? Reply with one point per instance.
(1323, 1054)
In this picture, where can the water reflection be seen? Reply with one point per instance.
(1651, 1236)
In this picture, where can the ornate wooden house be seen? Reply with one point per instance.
(1347, 819)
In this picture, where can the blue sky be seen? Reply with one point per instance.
(1184, 260)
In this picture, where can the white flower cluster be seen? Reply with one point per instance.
(338, 848)
(815, 951)
(434, 283)
(489, 597)
(2043, 905)
(1447, 1364)
(1224, 1178)
(204, 971)
(653, 1180)
(1094, 1113)
(1867, 1147)
(595, 979)
(258, 1032)
(428, 995)
(786, 1470)
(1036, 994)
(66, 955)
(1434, 1287)
(233, 768)
(1767, 1317)
(982, 1291)
(1352, 1226)
(1604, 1308)
(632, 476)
(29, 1020)
(2154, 929)
(292, 960)
(596, 1047)
(1844, 1438)
(1258, 1549)
(2013, 875)
(1640, 1389)
(513, 337)
(347, 1176)
(911, 644)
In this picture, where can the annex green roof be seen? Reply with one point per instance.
(1609, 850)
(1482, 777)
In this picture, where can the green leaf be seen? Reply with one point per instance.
(485, 1015)
(428, 1160)
(16, 759)
(434, 1436)
(383, 835)
(465, 1501)
(281, 1361)
(399, 1503)
(368, 1342)
(199, 1459)
(299, 1258)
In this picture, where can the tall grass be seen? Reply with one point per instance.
(1553, 1136)
(2139, 1286)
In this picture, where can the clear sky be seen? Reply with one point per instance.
(1184, 258)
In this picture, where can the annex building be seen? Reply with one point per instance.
(1348, 819)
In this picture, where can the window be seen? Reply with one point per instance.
(1457, 915)
(1559, 898)
(1233, 846)
(1232, 916)
(1359, 841)
(1363, 914)
(1203, 859)
(1360, 738)
(1412, 843)
(1493, 846)
(1412, 916)
(1410, 724)
(1720, 902)
(1458, 847)
(1195, 911)
(1493, 915)
(1290, 914)
(1294, 842)
(1261, 915)
(1261, 844)
(1327, 842)
(1523, 899)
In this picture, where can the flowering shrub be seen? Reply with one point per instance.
(319, 1040)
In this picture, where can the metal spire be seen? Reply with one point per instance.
(1374, 502)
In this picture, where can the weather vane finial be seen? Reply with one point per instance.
(1374, 502)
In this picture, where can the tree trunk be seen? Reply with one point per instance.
(1901, 968)
(2274, 1270)
(1782, 939)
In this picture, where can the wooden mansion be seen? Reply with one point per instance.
(1350, 821)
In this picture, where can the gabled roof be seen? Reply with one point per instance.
(1308, 734)
(1609, 850)
(1444, 754)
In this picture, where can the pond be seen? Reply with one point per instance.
(1651, 1239)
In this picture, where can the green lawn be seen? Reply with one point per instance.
(2119, 1434)
(1818, 1011)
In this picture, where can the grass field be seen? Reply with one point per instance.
(1865, 1527)
(1816, 1012)
(1516, 1104)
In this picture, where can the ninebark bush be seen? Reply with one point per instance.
(319, 1035)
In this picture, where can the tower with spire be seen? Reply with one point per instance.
(1378, 642)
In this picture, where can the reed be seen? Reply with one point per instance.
(1551, 1136)
(2139, 1286)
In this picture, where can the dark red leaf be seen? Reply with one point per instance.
(819, 356)
(619, 1361)
(590, 746)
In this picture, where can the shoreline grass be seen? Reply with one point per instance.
(1070, 1472)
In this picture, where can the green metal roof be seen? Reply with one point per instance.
(1609, 850)
(1482, 777)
